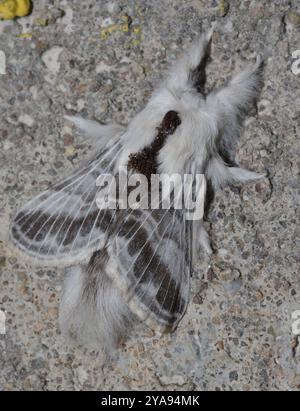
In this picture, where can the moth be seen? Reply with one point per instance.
(125, 265)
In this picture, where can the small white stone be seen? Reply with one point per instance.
(175, 379)
(2, 322)
(26, 119)
(81, 375)
(66, 130)
(34, 92)
(7, 145)
(101, 67)
(2, 62)
(67, 21)
(222, 252)
(80, 104)
(69, 106)
(50, 59)
(112, 7)
(264, 108)
(62, 88)
(107, 22)
(229, 27)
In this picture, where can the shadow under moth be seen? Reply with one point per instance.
(125, 265)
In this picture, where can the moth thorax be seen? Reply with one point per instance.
(145, 161)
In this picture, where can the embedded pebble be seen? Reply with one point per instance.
(51, 59)
(2, 322)
(294, 18)
(26, 119)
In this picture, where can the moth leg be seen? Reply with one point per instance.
(200, 240)
(204, 240)
(100, 134)
(220, 174)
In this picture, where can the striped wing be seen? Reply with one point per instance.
(63, 224)
(150, 264)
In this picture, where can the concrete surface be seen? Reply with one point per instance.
(102, 59)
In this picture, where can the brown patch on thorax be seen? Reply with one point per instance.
(145, 161)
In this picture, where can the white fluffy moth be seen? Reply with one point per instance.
(126, 264)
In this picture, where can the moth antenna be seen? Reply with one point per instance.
(198, 74)
(231, 103)
(189, 71)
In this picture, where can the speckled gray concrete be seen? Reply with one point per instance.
(237, 333)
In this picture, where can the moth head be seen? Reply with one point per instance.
(181, 92)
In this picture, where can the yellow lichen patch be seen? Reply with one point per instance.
(9, 9)
(41, 22)
(124, 27)
(138, 11)
(223, 8)
(106, 31)
(136, 42)
(25, 36)
(137, 30)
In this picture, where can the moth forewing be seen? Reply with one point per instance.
(64, 224)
